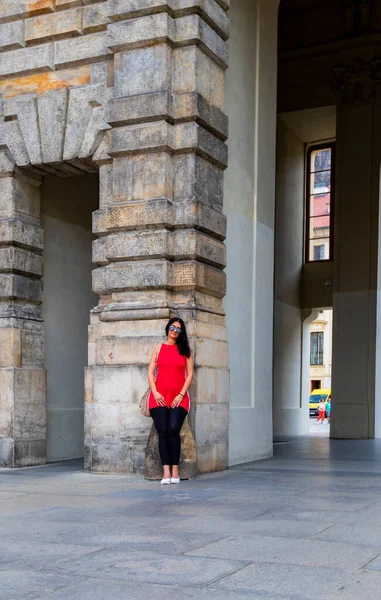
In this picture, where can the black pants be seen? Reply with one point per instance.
(168, 423)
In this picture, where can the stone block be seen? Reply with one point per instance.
(121, 384)
(32, 348)
(140, 108)
(195, 177)
(133, 33)
(211, 353)
(196, 246)
(106, 175)
(182, 301)
(20, 260)
(99, 254)
(212, 457)
(130, 9)
(12, 35)
(27, 60)
(13, 9)
(193, 275)
(180, 245)
(50, 27)
(82, 103)
(18, 286)
(139, 244)
(23, 234)
(21, 87)
(159, 136)
(143, 70)
(210, 386)
(10, 347)
(193, 27)
(29, 424)
(30, 387)
(29, 453)
(24, 109)
(193, 71)
(12, 139)
(18, 196)
(153, 469)
(150, 213)
(153, 328)
(125, 351)
(142, 177)
(6, 452)
(95, 17)
(211, 424)
(210, 10)
(52, 110)
(88, 48)
(195, 214)
(99, 221)
(111, 458)
(192, 137)
(147, 136)
(143, 31)
(134, 275)
(7, 395)
(187, 106)
(208, 325)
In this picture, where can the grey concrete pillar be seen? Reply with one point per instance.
(356, 297)
(160, 224)
(22, 375)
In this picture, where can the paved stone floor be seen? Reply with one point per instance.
(305, 525)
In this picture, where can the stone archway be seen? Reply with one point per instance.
(139, 96)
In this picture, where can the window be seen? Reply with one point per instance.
(320, 202)
(319, 252)
(317, 348)
(315, 384)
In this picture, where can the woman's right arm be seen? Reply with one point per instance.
(151, 376)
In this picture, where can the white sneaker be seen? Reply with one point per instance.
(165, 481)
(175, 479)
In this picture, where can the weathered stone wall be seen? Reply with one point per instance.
(22, 377)
(54, 80)
(136, 90)
(53, 101)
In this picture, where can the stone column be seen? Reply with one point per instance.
(355, 297)
(22, 376)
(160, 225)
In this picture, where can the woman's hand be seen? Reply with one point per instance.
(159, 398)
(177, 401)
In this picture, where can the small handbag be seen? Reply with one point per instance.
(143, 404)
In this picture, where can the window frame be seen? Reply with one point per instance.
(313, 148)
(319, 336)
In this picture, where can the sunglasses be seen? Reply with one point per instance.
(173, 328)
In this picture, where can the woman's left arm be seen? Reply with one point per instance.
(188, 380)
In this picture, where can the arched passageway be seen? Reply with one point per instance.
(328, 91)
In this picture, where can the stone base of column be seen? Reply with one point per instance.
(116, 433)
(23, 421)
(153, 469)
(350, 422)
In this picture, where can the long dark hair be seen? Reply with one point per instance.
(182, 342)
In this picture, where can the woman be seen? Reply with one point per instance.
(321, 412)
(169, 400)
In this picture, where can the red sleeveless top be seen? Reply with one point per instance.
(170, 377)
